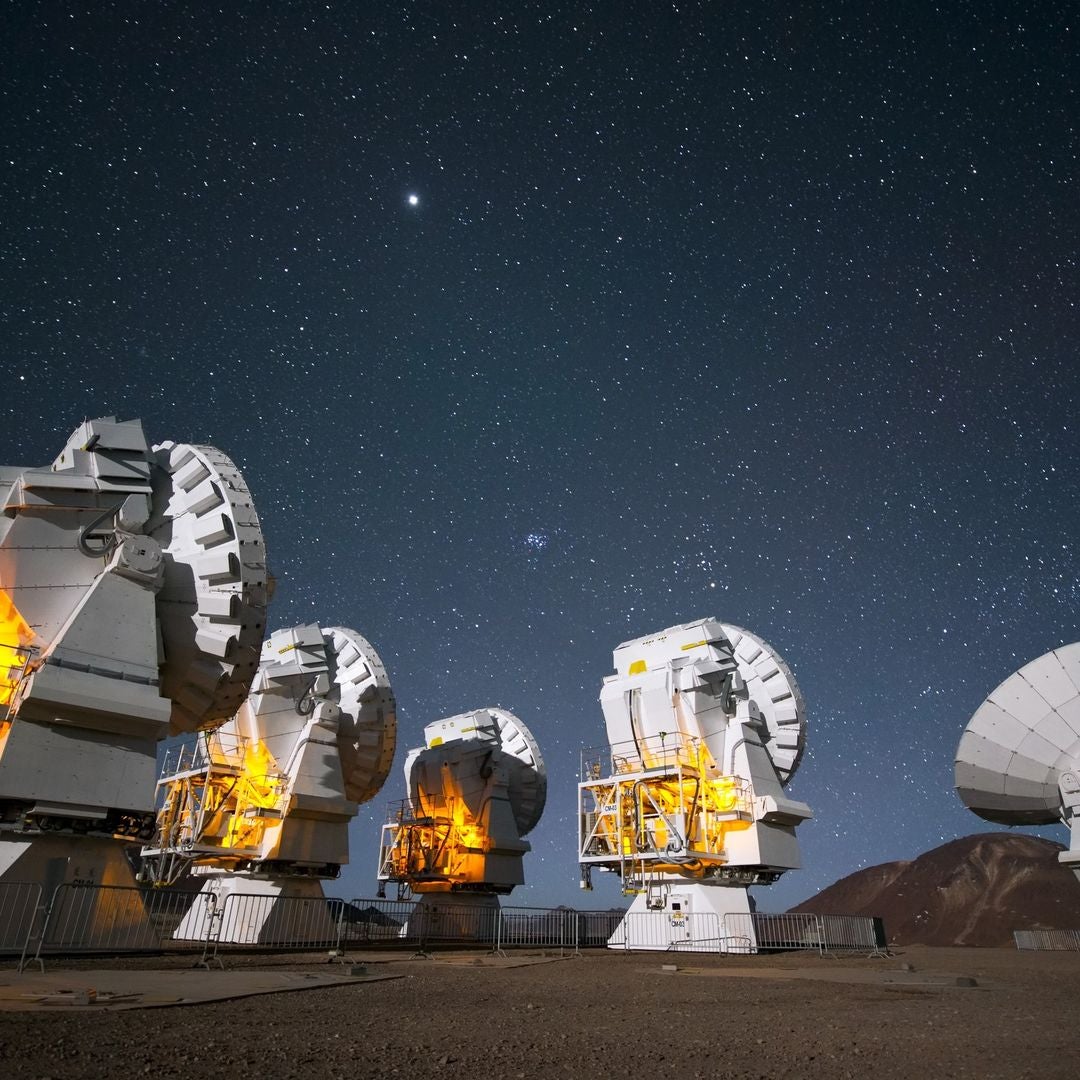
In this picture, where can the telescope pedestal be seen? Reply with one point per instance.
(461, 916)
(680, 916)
(260, 911)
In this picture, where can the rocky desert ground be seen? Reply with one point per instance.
(940, 1012)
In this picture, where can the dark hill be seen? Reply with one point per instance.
(972, 891)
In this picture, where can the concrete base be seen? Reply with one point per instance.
(456, 917)
(52, 859)
(681, 916)
(260, 911)
(89, 876)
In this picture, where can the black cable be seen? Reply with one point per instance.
(305, 703)
(108, 544)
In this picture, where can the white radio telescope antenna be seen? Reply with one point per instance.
(686, 804)
(476, 789)
(1018, 762)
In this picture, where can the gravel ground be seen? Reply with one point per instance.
(603, 1014)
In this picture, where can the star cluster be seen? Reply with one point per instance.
(537, 329)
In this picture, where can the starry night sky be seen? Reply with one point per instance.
(762, 311)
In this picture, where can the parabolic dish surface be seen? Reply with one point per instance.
(1020, 740)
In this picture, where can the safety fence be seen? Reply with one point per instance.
(371, 923)
(662, 931)
(531, 928)
(84, 919)
(20, 915)
(709, 932)
(272, 922)
(793, 931)
(420, 924)
(417, 924)
(1047, 940)
(100, 919)
(595, 929)
(295, 923)
(107, 919)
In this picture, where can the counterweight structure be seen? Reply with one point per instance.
(1018, 762)
(476, 790)
(706, 726)
(261, 806)
(133, 591)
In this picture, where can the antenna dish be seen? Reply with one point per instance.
(475, 791)
(492, 729)
(367, 733)
(1022, 742)
(212, 605)
(774, 690)
(528, 775)
(705, 725)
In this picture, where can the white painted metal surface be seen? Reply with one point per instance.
(706, 726)
(771, 685)
(1018, 762)
(263, 805)
(212, 603)
(687, 679)
(133, 589)
(475, 791)
(478, 735)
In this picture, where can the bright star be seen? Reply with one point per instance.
(414, 200)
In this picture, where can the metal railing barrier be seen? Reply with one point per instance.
(538, 928)
(271, 923)
(663, 931)
(432, 923)
(782, 931)
(80, 919)
(21, 915)
(595, 928)
(1047, 940)
(795, 931)
(111, 919)
(371, 923)
(852, 934)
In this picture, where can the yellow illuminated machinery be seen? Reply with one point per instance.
(262, 805)
(661, 806)
(220, 796)
(475, 791)
(16, 649)
(133, 591)
(706, 727)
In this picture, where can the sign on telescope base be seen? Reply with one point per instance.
(260, 911)
(676, 915)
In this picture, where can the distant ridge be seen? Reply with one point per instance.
(972, 891)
